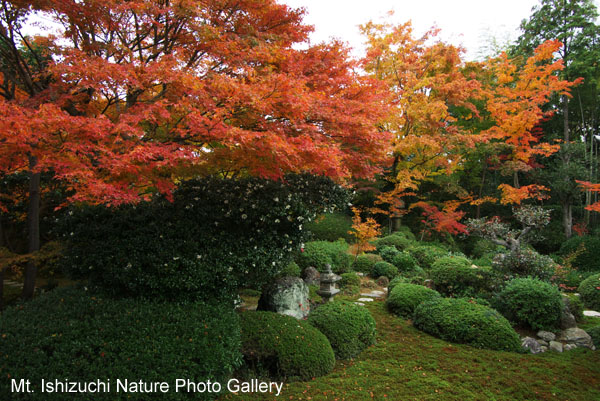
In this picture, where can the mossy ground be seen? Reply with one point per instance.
(407, 364)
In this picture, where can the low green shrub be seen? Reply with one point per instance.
(405, 262)
(351, 290)
(76, 334)
(331, 227)
(461, 321)
(350, 328)
(589, 289)
(364, 263)
(531, 302)
(405, 297)
(291, 269)
(454, 276)
(594, 332)
(399, 241)
(388, 253)
(320, 253)
(285, 347)
(405, 232)
(483, 247)
(384, 269)
(586, 248)
(349, 279)
(426, 255)
(525, 262)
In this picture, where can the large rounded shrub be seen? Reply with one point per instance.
(399, 242)
(364, 263)
(524, 262)
(460, 321)
(589, 289)
(215, 236)
(331, 227)
(426, 255)
(405, 297)
(320, 253)
(349, 279)
(285, 347)
(350, 328)
(532, 303)
(586, 248)
(75, 334)
(405, 262)
(454, 276)
(384, 269)
(594, 332)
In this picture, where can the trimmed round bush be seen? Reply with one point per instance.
(384, 269)
(331, 227)
(351, 290)
(348, 279)
(395, 281)
(388, 253)
(405, 297)
(405, 262)
(76, 334)
(525, 262)
(532, 303)
(290, 270)
(426, 255)
(320, 253)
(405, 232)
(364, 263)
(350, 328)
(400, 242)
(589, 289)
(461, 321)
(454, 276)
(287, 348)
(587, 259)
(594, 332)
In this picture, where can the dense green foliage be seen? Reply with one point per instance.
(291, 269)
(398, 241)
(215, 236)
(589, 289)
(531, 303)
(594, 332)
(388, 253)
(350, 328)
(461, 321)
(384, 269)
(405, 262)
(364, 263)
(320, 253)
(575, 305)
(525, 262)
(348, 279)
(404, 231)
(454, 276)
(70, 333)
(404, 298)
(287, 348)
(331, 227)
(426, 255)
(586, 248)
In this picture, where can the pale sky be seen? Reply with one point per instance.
(462, 22)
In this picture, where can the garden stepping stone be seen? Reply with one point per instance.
(365, 299)
(546, 335)
(591, 313)
(373, 294)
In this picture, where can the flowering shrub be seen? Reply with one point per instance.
(215, 236)
(590, 292)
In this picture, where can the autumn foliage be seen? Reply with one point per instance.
(364, 232)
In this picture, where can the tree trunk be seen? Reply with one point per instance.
(567, 218)
(396, 223)
(33, 228)
(566, 203)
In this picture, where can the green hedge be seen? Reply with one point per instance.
(73, 334)
(215, 236)
(532, 303)
(320, 253)
(405, 262)
(384, 269)
(525, 262)
(588, 259)
(364, 263)
(460, 321)
(426, 255)
(286, 348)
(350, 328)
(404, 298)
(398, 241)
(589, 289)
(349, 279)
(331, 227)
(453, 276)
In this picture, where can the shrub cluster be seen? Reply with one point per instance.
(405, 232)
(75, 334)
(587, 259)
(404, 298)
(589, 289)
(532, 303)
(287, 348)
(331, 227)
(398, 241)
(348, 279)
(384, 269)
(525, 263)
(320, 253)
(405, 262)
(594, 332)
(364, 263)
(216, 235)
(454, 276)
(350, 328)
(461, 321)
(426, 255)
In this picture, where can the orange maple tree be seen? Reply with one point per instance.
(132, 95)
(364, 232)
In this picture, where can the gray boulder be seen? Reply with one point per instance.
(287, 296)
(531, 344)
(556, 346)
(546, 335)
(311, 276)
(569, 347)
(578, 337)
(567, 320)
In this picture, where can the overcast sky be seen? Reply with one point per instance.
(462, 22)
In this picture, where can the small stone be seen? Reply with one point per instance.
(556, 346)
(365, 299)
(542, 342)
(359, 303)
(546, 335)
(569, 347)
(543, 348)
(591, 313)
(531, 344)
(567, 320)
(360, 274)
(578, 337)
(373, 294)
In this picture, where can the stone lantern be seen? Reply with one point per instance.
(328, 280)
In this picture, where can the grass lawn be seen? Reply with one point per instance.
(407, 364)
